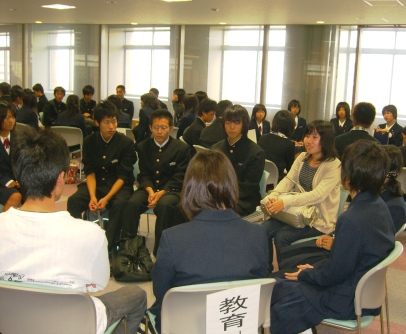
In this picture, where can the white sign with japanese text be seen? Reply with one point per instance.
(233, 311)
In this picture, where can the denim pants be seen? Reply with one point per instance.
(283, 235)
(129, 301)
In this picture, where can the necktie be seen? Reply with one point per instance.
(6, 143)
(260, 129)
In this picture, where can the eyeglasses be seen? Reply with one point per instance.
(114, 122)
(163, 128)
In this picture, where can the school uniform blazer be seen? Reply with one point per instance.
(347, 126)
(143, 127)
(187, 119)
(208, 249)
(397, 209)
(342, 141)
(6, 172)
(128, 107)
(248, 160)
(213, 133)
(28, 116)
(396, 131)
(299, 131)
(52, 109)
(358, 246)
(266, 127)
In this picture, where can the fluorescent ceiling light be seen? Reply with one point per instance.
(58, 6)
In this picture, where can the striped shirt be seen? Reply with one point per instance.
(306, 176)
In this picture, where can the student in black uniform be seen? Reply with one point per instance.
(54, 107)
(108, 158)
(42, 99)
(87, 105)
(128, 106)
(162, 161)
(247, 158)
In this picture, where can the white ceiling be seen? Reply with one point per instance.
(200, 12)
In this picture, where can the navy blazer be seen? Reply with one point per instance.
(347, 126)
(299, 131)
(266, 127)
(210, 248)
(187, 119)
(359, 245)
(6, 173)
(396, 131)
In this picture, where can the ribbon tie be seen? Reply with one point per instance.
(6, 143)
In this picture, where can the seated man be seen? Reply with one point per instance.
(163, 161)
(86, 107)
(9, 188)
(42, 99)
(128, 106)
(108, 158)
(27, 114)
(54, 107)
(215, 132)
(247, 158)
(155, 91)
(55, 249)
(205, 114)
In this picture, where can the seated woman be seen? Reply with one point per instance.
(391, 127)
(342, 123)
(209, 248)
(9, 187)
(258, 121)
(190, 105)
(28, 113)
(318, 172)
(149, 103)
(72, 116)
(364, 236)
(300, 123)
(278, 148)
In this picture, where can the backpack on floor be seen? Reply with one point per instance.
(133, 262)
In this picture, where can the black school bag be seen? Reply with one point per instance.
(133, 262)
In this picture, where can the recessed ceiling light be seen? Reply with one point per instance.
(38, 22)
(320, 22)
(134, 23)
(58, 6)
(13, 10)
(222, 23)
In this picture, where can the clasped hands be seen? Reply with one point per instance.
(274, 206)
(95, 205)
(154, 197)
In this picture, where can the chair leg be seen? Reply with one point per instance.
(146, 324)
(386, 307)
(359, 323)
(147, 224)
(125, 325)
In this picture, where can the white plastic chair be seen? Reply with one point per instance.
(184, 308)
(21, 126)
(271, 168)
(36, 309)
(397, 233)
(252, 135)
(127, 132)
(73, 137)
(371, 293)
(174, 132)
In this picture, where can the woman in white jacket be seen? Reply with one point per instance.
(317, 171)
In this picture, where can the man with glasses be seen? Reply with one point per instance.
(108, 158)
(162, 161)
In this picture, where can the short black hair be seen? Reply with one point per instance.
(116, 101)
(150, 101)
(284, 122)
(294, 103)
(38, 88)
(4, 108)
(210, 184)
(222, 106)
(121, 86)
(5, 88)
(15, 93)
(364, 165)
(346, 107)
(327, 135)
(161, 113)
(88, 90)
(191, 103)
(201, 95)
(59, 89)
(37, 159)
(30, 100)
(257, 108)
(155, 91)
(105, 109)
(237, 113)
(206, 105)
(363, 114)
(392, 109)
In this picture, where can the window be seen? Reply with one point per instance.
(146, 63)
(61, 59)
(4, 57)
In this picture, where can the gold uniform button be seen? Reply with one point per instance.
(157, 181)
(160, 150)
(103, 168)
(103, 178)
(104, 157)
(157, 160)
(231, 151)
(157, 172)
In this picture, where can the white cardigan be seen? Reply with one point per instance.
(325, 194)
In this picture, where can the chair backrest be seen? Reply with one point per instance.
(263, 183)
(127, 132)
(371, 291)
(252, 135)
(72, 135)
(401, 230)
(21, 126)
(402, 179)
(271, 168)
(25, 308)
(174, 132)
(343, 197)
(199, 148)
(184, 308)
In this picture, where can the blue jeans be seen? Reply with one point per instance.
(129, 301)
(283, 235)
